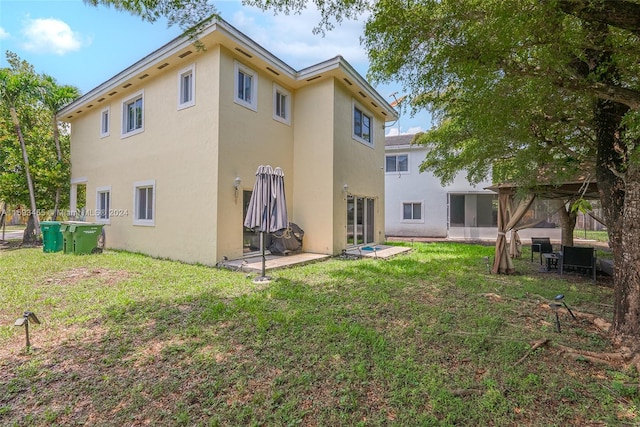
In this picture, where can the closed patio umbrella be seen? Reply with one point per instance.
(267, 210)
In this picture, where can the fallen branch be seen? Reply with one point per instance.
(609, 358)
(533, 348)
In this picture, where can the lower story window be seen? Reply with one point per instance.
(103, 204)
(411, 211)
(144, 203)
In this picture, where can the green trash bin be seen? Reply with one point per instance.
(85, 237)
(67, 237)
(80, 237)
(52, 240)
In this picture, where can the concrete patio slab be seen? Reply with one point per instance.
(377, 251)
(273, 262)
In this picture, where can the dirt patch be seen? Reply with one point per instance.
(106, 276)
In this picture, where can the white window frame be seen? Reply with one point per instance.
(279, 91)
(412, 202)
(99, 218)
(105, 130)
(136, 207)
(355, 105)
(125, 118)
(188, 71)
(238, 68)
(396, 172)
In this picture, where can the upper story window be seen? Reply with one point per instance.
(105, 119)
(281, 104)
(246, 86)
(186, 87)
(133, 115)
(397, 163)
(362, 125)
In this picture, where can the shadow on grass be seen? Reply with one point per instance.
(404, 341)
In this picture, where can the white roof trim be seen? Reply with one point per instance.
(227, 30)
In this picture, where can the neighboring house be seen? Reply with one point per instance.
(167, 149)
(418, 205)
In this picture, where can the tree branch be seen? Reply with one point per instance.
(622, 95)
(622, 14)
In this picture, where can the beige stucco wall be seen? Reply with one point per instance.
(358, 165)
(313, 197)
(178, 149)
(247, 140)
(195, 154)
(326, 158)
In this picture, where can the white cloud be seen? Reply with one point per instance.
(50, 36)
(3, 34)
(395, 131)
(414, 129)
(291, 38)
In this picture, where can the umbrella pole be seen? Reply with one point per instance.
(264, 258)
(263, 274)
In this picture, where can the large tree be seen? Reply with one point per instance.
(36, 139)
(536, 89)
(17, 86)
(54, 97)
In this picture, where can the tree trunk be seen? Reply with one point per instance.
(30, 235)
(621, 206)
(626, 319)
(568, 222)
(56, 139)
(32, 232)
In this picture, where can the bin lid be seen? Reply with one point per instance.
(50, 222)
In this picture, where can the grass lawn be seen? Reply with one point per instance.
(598, 236)
(429, 338)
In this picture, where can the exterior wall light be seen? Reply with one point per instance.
(236, 185)
(24, 321)
(345, 188)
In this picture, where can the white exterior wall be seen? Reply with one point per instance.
(425, 188)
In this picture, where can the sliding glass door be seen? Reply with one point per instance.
(360, 220)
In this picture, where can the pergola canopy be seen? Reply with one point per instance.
(588, 190)
(511, 212)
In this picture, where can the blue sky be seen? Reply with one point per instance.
(84, 46)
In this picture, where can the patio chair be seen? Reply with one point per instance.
(542, 245)
(579, 259)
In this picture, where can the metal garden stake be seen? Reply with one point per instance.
(555, 308)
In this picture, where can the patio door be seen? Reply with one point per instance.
(360, 220)
(250, 239)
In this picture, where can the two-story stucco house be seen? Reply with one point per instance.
(167, 149)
